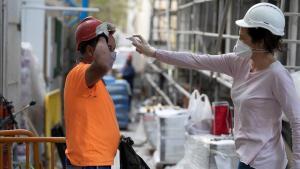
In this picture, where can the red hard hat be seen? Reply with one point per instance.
(86, 30)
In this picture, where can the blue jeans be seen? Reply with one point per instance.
(244, 166)
(70, 166)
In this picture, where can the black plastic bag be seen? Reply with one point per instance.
(129, 159)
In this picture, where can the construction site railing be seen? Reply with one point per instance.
(8, 137)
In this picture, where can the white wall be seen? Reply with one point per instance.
(11, 52)
(139, 16)
(130, 17)
(33, 28)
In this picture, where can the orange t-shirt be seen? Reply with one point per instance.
(92, 131)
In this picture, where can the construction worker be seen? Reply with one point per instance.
(128, 72)
(92, 131)
(262, 88)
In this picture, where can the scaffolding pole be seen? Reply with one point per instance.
(292, 34)
(225, 36)
(222, 27)
(158, 90)
(170, 80)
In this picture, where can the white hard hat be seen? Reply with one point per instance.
(264, 15)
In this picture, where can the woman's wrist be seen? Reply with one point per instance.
(152, 52)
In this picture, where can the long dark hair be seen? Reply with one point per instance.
(271, 42)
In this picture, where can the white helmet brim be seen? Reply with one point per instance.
(241, 23)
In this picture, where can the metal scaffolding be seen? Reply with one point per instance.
(208, 26)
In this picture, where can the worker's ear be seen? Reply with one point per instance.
(89, 50)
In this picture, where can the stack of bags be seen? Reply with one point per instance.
(120, 93)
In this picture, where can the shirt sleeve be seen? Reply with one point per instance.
(218, 63)
(285, 93)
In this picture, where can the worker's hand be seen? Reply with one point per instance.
(106, 29)
(142, 46)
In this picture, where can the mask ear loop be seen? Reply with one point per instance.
(260, 50)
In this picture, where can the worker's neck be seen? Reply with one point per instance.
(262, 61)
(86, 59)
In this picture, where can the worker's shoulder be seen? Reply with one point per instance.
(279, 72)
(78, 69)
(277, 68)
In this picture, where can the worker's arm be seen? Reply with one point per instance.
(285, 92)
(100, 65)
(227, 63)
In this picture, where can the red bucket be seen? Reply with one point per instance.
(221, 123)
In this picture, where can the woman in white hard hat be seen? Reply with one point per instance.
(262, 88)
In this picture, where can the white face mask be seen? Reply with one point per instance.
(241, 49)
(113, 55)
